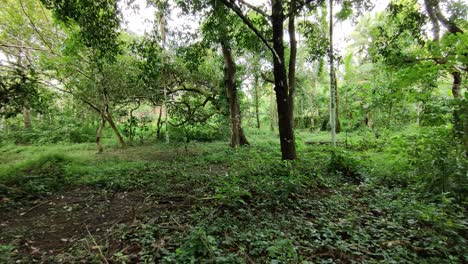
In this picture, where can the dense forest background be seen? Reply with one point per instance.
(232, 131)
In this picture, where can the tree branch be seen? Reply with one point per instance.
(8, 45)
(254, 8)
(449, 25)
(34, 26)
(249, 24)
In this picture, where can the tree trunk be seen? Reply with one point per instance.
(272, 113)
(256, 102)
(286, 130)
(464, 109)
(237, 135)
(434, 20)
(162, 21)
(368, 118)
(99, 135)
(158, 124)
(457, 112)
(132, 129)
(332, 79)
(27, 118)
(292, 61)
(114, 128)
(337, 116)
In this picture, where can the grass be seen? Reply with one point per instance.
(213, 204)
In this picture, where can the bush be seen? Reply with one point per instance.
(71, 133)
(439, 164)
(347, 167)
(198, 132)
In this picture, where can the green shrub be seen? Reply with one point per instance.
(198, 132)
(341, 163)
(440, 164)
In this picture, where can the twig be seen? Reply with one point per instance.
(96, 245)
(173, 219)
(34, 207)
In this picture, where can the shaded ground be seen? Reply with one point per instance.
(50, 226)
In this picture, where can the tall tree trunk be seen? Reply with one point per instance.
(332, 79)
(256, 102)
(464, 109)
(114, 128)
(162, 21)
(27, 117)
(99, 135)
(272, 113)
(460, 113)
(292, 60)
(158, 124)
(237, 134)
(337, 112)
(286, 130)
(312, 101)
(132, 129)
(434, 20)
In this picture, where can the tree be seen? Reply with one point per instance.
(333, 88)
(284, 84)
(226, 30)
(443, 54)
(20, 87)
(162, 7)
(19, 44)
(438, 19)
(237, 133)
(93, 27)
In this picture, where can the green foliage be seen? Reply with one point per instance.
(198, 246)
(346, 166)
(316, 37)
(389, 192)
(98, 22)
(198, 132)
(5, 253)
(68, 133)
(19, 89)
(241, 205)
(43, 175)
(440, 165)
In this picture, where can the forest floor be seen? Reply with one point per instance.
(208, 203)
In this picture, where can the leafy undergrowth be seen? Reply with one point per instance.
(212, 204)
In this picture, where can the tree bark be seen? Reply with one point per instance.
(332, 78)
(237, 133)
(464, 110)
(292, 61)
(114, 128)
(132, 129)
(99, 135)
(458, 113)
(158, 124)
(286, 130)
(434, 20)
(256, 102)
(27, 118)
(337, 111)
(272, 113)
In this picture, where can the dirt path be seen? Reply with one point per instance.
(52, 225)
